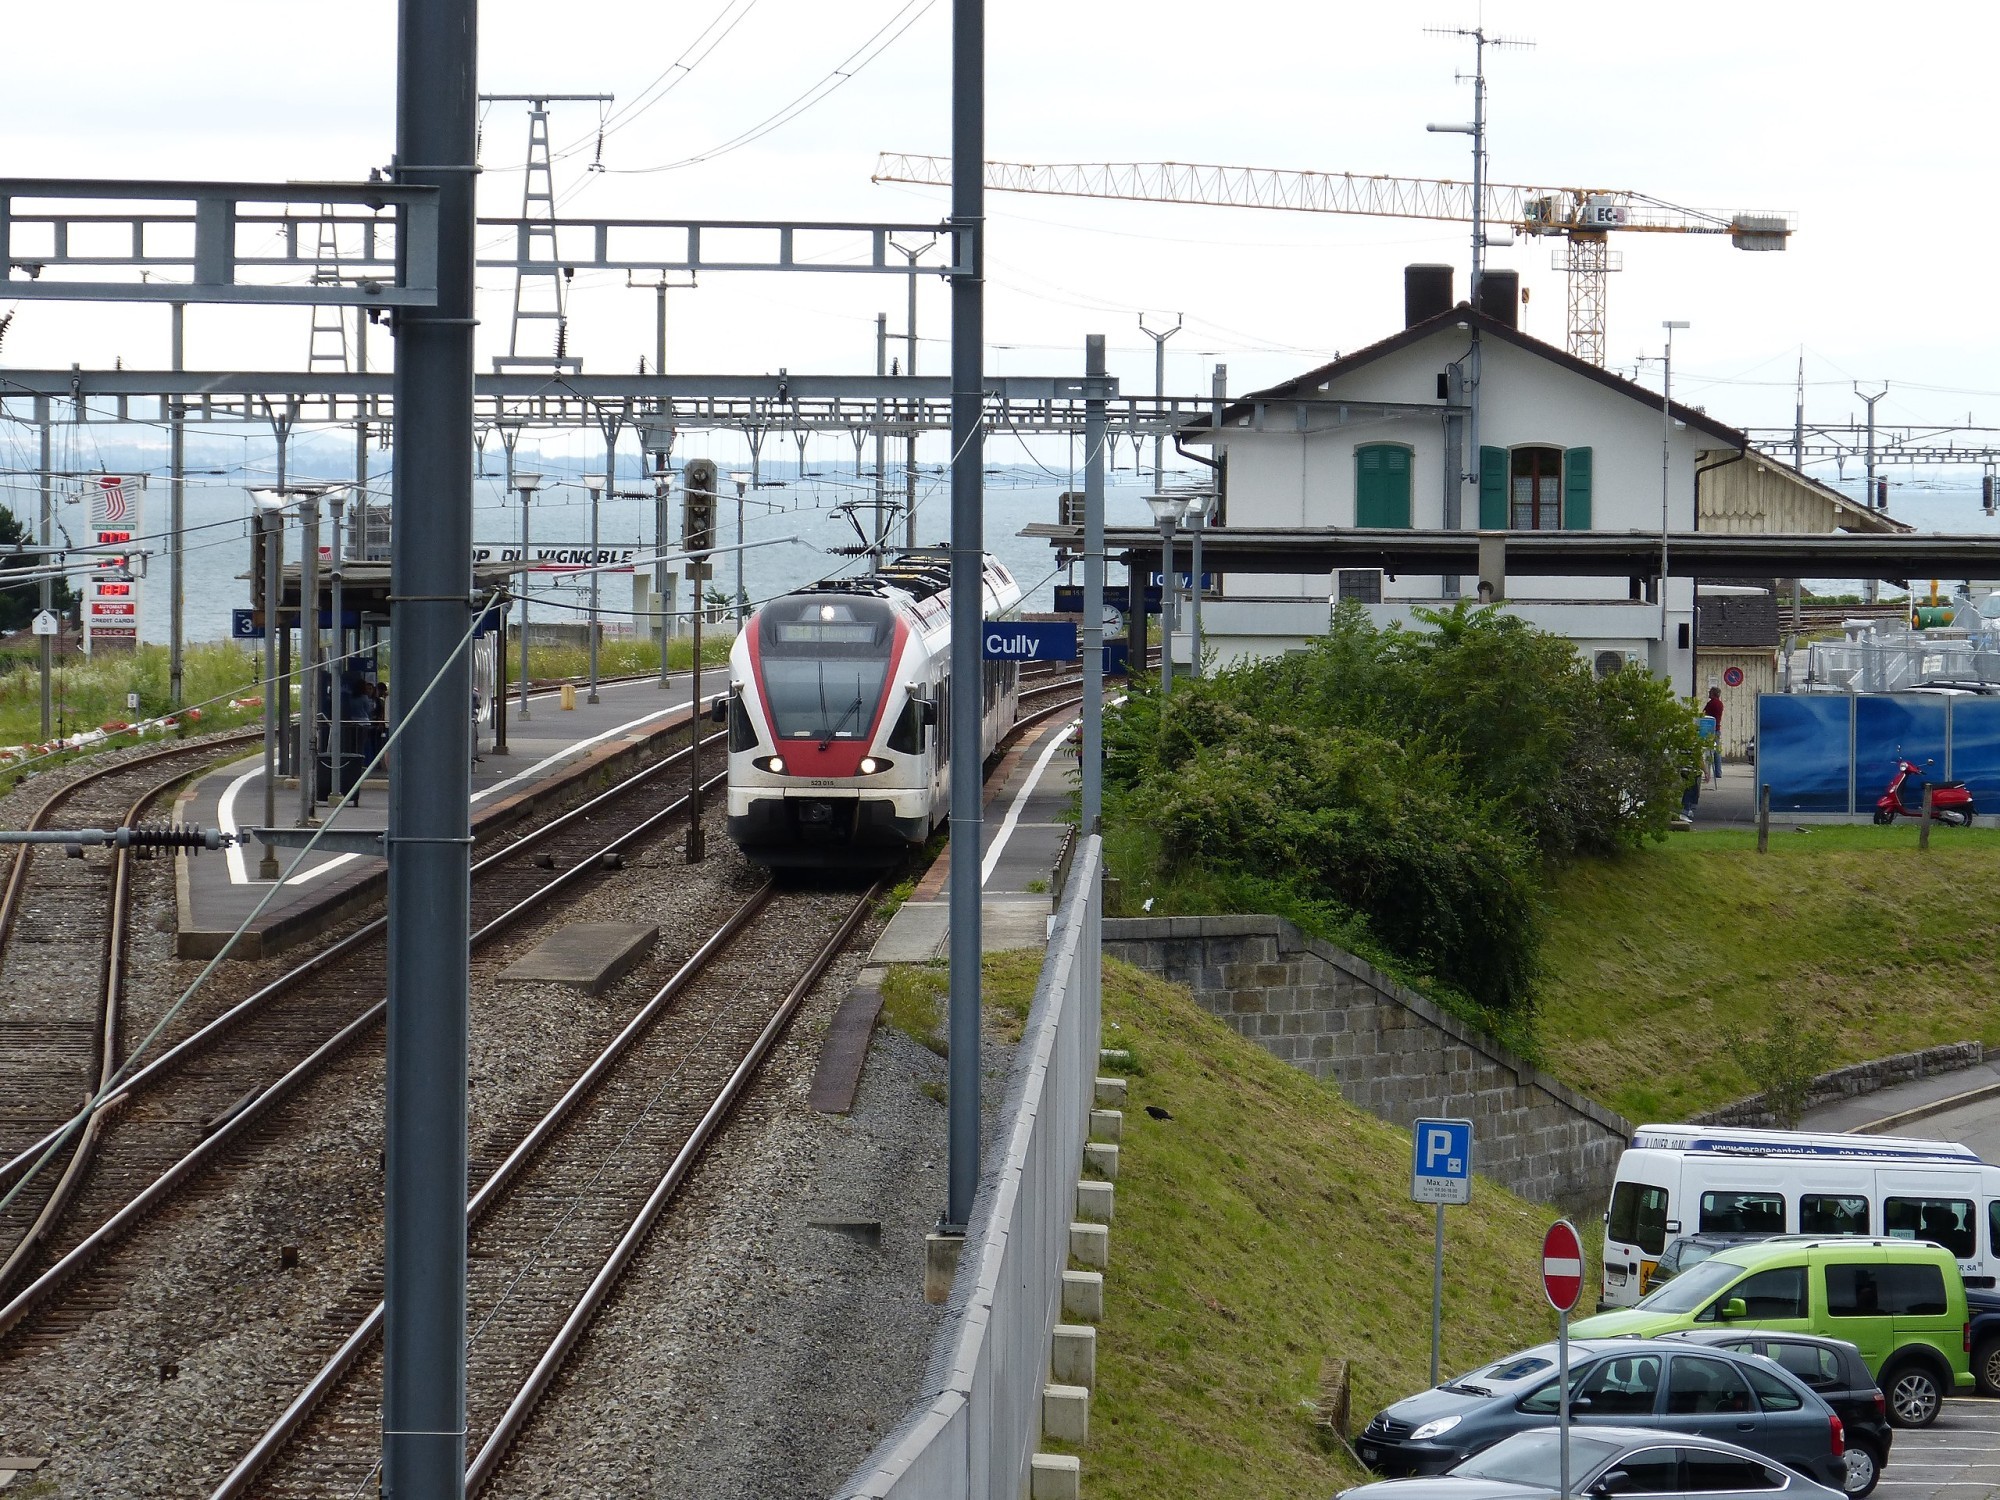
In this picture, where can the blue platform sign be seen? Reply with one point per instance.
(243, 625)
(1441, 1165)
(1027, 640)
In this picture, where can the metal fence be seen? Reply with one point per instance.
(1898, 663)
(971, 1433)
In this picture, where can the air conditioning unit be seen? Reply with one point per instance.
(1609, 662)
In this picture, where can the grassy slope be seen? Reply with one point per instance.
(1652, 954)
(1263, 1228)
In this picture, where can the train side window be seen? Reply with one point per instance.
(741, 735)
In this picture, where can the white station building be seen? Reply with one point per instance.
(1375, 440)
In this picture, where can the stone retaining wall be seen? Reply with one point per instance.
(1388, 1049)
(1857, 1078)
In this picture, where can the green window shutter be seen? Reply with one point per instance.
(1492, 489)
(1382, 485)
(1576, 489)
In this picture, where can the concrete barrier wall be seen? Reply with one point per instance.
(971, 1434)
(1387, 1049)
(1856, 1078)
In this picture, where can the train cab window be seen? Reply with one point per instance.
(824, 663)
(907, 737)
(742, 735)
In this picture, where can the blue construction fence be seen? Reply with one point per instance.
(1837, 752)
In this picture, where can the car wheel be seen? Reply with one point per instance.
(1986, 1367)
(1914, 1394)
(1862, 1471)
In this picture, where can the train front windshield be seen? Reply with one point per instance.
(825, 663)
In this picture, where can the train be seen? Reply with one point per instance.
(839, 714)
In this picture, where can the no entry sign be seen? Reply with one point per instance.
(1562, 1266)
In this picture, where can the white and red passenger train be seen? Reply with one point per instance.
(840, 714)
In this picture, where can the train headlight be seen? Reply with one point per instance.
(870, 765)
(776, 765)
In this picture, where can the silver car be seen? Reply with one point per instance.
(1605, 1461)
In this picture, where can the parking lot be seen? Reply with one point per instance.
(1957, 1457)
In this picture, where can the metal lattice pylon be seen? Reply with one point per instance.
(538, 294)
(1587, 260)
(327, 349)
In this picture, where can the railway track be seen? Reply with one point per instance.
(555, 1225)
(192, 1107)
(62, 919)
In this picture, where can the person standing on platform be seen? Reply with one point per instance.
(1712, 711)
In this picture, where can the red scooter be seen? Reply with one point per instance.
(1951, 801)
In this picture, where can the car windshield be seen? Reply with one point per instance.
(1692, 1288)
(1535, 1458)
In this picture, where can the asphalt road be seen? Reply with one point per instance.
(1957, 1457)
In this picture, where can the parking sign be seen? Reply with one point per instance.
(1441, 1164)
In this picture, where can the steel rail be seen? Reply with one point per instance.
(338, 952)
(111, 1008)
(17, 874)
(239, 1121)
(515, 1419)
(490, 1192)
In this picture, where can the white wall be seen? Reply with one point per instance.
(1281, 477)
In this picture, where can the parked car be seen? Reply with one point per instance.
(1835, 1372)
(1983, 1335)
(1605, 1462)
(1685, 1252)
(1900, 1302)
(1741, 1398)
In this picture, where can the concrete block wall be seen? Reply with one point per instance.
(1856, 1078)
(1386, 1048)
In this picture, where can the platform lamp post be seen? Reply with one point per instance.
(1201, 509)
(525, 486)
(1666, 456)
(591, 482)
(1167, 511)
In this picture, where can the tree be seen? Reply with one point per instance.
(19, 601)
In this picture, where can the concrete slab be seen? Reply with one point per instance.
(1055, 1476)
(588, 956)
(1066, 1413)
(1094, 1201)
(1090, 1245)
(1073, 1354)
(1083, 1296)
(844, 1049)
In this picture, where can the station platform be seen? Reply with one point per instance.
(1022, 837)
(548, 753)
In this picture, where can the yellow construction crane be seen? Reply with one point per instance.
(1584, 217)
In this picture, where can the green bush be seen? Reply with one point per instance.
(1404, 786)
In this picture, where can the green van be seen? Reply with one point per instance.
(1900, 1302)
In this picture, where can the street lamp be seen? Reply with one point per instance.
(1666, 455)
(1167, 512)
(1200, 511)
(525, 485)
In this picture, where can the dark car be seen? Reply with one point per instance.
(1835, 1372)
(1684, 1252)
(1605, 1462)
(1670, 1386)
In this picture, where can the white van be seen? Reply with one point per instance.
(1696, 1179)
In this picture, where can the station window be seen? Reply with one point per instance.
(1536, 490)
(1382, 485)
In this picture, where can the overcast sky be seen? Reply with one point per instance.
(1872, 123)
